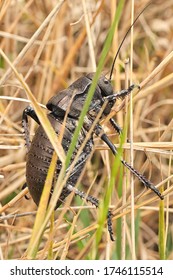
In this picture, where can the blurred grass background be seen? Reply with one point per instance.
(60, 53)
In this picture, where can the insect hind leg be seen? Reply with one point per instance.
(100, 132)
(28, 111)
(94, 201)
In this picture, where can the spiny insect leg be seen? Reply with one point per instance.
(100, 132)
(121, 94)
(94, 201)
(109, 223)
(116, 126)
(142, 178)
(83, 195)
(28, 111)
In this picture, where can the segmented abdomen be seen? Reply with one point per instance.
(40, 154)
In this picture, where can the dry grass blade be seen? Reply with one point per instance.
(31, 41)
(42, 117)
(159, 68)
(14, 200)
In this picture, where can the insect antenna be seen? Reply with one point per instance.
(125, 36)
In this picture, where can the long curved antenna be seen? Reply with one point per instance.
(119, 48)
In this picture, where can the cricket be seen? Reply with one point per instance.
(86, 128)
(71, 100)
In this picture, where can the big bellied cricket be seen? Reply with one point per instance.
(71, 100)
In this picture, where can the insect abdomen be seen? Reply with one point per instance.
(40, 154)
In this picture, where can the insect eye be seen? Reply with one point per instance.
(106, 81)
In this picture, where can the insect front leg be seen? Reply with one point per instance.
(100, 132)
(28, 111)
(120, 95)
(94, 201)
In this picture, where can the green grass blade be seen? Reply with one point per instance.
(104, 205)
(94, 83)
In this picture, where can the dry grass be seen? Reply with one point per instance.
(51, 47)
